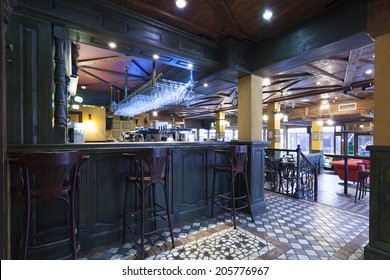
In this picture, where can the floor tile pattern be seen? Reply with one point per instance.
(288, 229)
(226, 244)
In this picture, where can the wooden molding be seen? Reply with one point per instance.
(378, 22)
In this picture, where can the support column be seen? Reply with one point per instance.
(250, 108)
(220, 125)
(273, 126)
(250, 117)
(317, 143)
(378, 246)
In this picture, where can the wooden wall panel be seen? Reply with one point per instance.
(30, 76)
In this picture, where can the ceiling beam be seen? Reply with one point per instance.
(318, 71)
(103, 60)
(99, 79)
(141, 78)
(341, 28)
(353, 63)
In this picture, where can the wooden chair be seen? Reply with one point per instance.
(151, 170)
(48, 176)
(363, 179)
(235, 198)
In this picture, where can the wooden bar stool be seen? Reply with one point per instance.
(363, 179)
(151, 170)
(234, 199)
(48, 176)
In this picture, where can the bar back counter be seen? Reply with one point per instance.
(101, 187)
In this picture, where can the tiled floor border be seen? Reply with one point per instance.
(350, 248)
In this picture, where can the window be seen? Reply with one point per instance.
(328, 138)
(363, 142)
(298, 136)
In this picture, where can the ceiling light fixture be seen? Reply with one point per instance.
(266, 82)
(78, 99)
(369, 71)
(348, 90)
(156, 56)
(267, 15)
(190, 65)
(368, 86)
(205, 84)
(112, 45)
(181, 3)
(325, 114)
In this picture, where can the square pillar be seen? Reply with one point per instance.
(250, 112)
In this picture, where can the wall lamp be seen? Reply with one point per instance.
(72, 86)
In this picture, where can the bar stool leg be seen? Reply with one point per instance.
(73, 224)
(358, 187)
(213, 195)
(232, 197)
(124, 224)
(168, 214)
(25, 236)
(142, 194)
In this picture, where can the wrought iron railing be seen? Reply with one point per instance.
(289, 172)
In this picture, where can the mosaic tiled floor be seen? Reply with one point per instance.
(223, 243)
(289, 229)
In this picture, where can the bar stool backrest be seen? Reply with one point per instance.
(238, 157)
(49, 171)
(156, 161)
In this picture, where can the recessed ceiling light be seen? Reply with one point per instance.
(156, 56)
(205, 84)
(190, 65)
(181, 3)
(318, 83)
(305, 100)
(267, 15)
(83, 87)
(155, 113)
(369, 71)
(112, 45)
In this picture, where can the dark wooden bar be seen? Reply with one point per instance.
(378, 247)
(102, 184)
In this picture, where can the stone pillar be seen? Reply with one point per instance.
(220, 125)
(250, 108)
(273, 125)
(317, 143)
(378, 246)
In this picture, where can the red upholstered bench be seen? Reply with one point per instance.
(352, 169)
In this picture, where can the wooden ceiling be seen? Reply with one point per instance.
(338, 78)
(218, 19)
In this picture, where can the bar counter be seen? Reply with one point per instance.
(102, 182)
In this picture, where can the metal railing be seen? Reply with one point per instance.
(289, 172)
